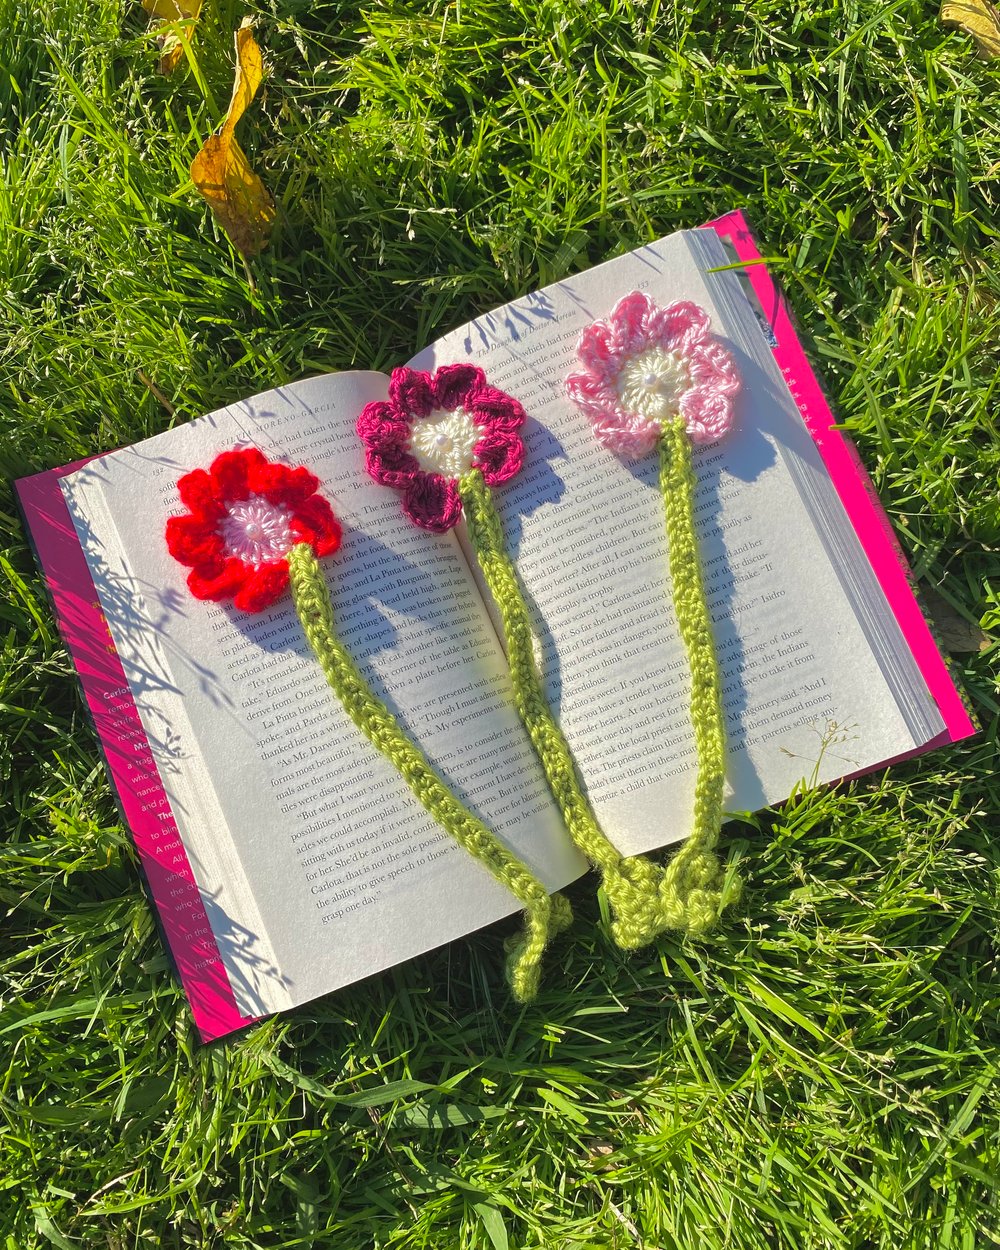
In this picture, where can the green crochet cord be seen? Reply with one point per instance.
(545, 915)
(694, 888)
(632, 885)
(645, 898)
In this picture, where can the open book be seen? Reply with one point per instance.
(285, 855)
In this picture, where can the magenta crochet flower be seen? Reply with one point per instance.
(645, 364)
(432, 431)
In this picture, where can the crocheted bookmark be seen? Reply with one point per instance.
(658, 377)
(443, 441)
(254, 529)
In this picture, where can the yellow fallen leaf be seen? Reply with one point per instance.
(166, 12)
(172, 10)
(977, 18)
(221, 171)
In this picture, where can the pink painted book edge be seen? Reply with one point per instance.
(130, 762)
(854, 486)
(126, 748)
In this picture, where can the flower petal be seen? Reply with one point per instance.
(594, 348)
(496, 410)
(628, 436)
(711, 364)
(220, 585)
(192, 541)
(410, 393)
(382, 420)
(388, 435)
(625, 433)
(594, 394)
(281, 485)
(391, 465)
(299, 486)
(630, 324)
(433, 502)
(200, 495)
(500, 455)
(604, 345)
(314, 523)
(454, 384)
(679, 326)
(707, 413)
(231, 469)
(263, 587)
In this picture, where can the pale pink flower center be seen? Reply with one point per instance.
(256, 531)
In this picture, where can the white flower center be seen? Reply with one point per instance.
(444, 442)
(256, 531)
(651, 384)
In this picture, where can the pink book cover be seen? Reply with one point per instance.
(130, 762)
(129, 758)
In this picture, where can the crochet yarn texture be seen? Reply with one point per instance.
(633, 885)
(444, 440)
(545, 915)
(244, 514)
(433, 429)
(644, 365)
(658, 377)
(253, 529)
(694, 889)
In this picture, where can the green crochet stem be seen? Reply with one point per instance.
(694, 888)
(632, 885)
(545, 915)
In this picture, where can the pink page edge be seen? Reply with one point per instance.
(851, 480)
(130, 761)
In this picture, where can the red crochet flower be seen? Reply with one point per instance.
(432, 431)
(244, 516)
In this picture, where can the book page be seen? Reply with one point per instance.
(317, 864)
(804, 697)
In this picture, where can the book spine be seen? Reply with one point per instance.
(851, 481)
(131, 766)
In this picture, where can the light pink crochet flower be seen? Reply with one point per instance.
(646, 364)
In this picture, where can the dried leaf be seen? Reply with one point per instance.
(165, 13)
(172, 10)
(977, 18)
(221, 171)
(957, 633)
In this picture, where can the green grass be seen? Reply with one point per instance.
(824, 1071)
